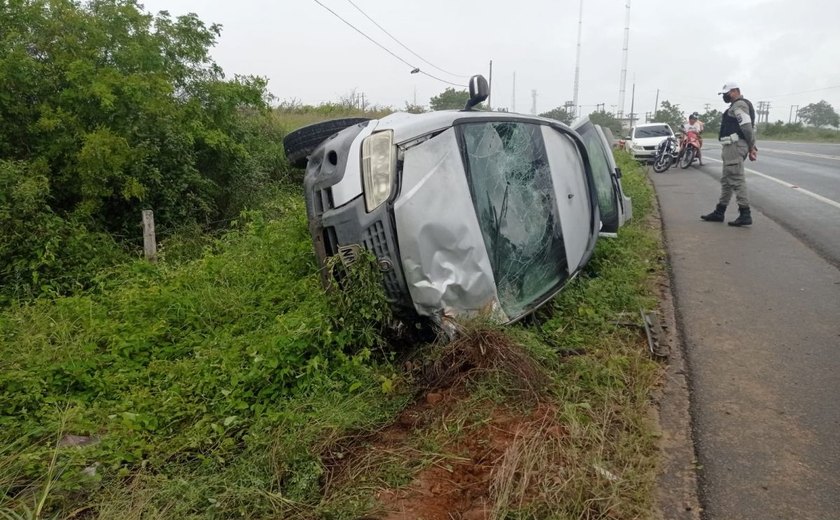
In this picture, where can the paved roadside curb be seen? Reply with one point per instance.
(677, 482)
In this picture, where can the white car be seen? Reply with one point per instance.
(466, 211)
(644, 139)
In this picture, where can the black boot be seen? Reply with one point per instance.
(716, 215)
(744, 217)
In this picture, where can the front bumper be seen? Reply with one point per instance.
(342, 230)
(643, 155)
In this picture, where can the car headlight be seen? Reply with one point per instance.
(379, 160)
(638, 148)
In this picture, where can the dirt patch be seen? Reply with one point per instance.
(475, 459)
(463, 481)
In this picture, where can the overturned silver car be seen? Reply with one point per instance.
(467, 211)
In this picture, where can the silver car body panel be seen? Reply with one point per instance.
(444, 258)
(572, 195)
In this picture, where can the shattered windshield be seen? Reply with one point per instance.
(603, 176)
(513, 196)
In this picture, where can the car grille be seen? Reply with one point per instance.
(650, 147)
(323, 200)
(375, 241)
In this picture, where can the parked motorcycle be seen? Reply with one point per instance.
(690, 149)
(667, 154)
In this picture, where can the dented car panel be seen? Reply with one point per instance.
(446, 265)
(473, 212)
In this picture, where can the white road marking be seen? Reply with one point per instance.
(788, 185)
(805, 154)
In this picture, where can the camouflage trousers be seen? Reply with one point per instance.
(732, 179)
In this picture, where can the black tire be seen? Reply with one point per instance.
(687, 157)
(303, 141)
(662, 163)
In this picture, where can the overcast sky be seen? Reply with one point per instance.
(779, 51)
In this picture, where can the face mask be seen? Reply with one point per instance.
(727, 98)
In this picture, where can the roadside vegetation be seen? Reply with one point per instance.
(232, 385)
(222, 380)
(780, 131)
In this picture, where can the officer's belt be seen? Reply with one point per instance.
(730, 139)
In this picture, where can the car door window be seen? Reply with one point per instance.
(513, 196)
(603, 176)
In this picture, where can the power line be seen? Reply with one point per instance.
(805, 91)
(385, 48)
(403, 45)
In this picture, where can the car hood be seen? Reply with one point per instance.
(649, 141)
(446, 265)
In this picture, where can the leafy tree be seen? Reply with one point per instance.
(607, 120)
(779, 129)
(115, 110)
(671, 114)
(711, 119)
(819, 114)
(560, 114)
(450, 99)
(413, 109)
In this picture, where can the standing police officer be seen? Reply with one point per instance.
(737, 139)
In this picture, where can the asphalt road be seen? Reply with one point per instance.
(758, 310)
(798, 186)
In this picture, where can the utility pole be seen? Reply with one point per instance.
(655, 104)
(490, 85)
(794, 114)
(534, 102)
(625, 48)
(763, 111)
(577, 59)
(632, 104)
(513, 98)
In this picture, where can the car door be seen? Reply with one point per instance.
(625, 202)
(614, 206)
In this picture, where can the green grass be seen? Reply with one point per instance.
(230, 386)
(797, 132)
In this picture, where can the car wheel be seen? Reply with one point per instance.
(303, 141)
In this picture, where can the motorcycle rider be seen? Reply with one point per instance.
(694, 125)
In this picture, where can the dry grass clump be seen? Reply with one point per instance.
(483, 349)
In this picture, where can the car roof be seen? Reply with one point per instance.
(407, 126)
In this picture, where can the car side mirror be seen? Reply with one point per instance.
(627, 138)
(479, 91)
